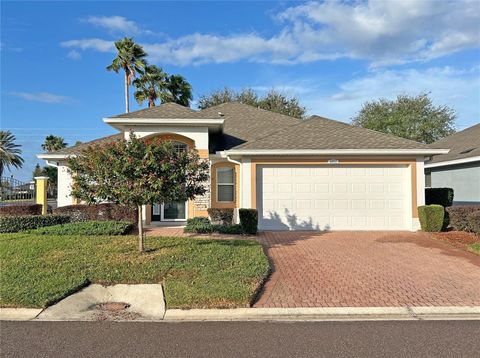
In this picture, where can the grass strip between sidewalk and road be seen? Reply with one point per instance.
(38, 270)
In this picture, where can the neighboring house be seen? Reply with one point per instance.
(460, 168)
(313, 174)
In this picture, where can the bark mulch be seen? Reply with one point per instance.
(458, 239)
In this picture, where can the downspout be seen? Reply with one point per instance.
(240, 181)
(50, 164)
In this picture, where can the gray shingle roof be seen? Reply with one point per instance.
(166, 110)
(464, 144)
(81, 146)
(322, 133)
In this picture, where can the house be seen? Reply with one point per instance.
(313, 174)
(460, 168)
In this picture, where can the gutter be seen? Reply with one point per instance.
(240, 180)
(453, 162)
(284, 152)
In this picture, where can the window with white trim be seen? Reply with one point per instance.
(225, 185)
(179, 147)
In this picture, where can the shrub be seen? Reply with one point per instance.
(473, 220)
(99, 212)
(228, 229)
(459, 216)
(223, 216)
(431, 217)
(249, 220)
(198, 225)
(439, 196)
(20, 223)
(21, 209)
(87, 228)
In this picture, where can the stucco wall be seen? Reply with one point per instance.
(64, 186)
(464, 179)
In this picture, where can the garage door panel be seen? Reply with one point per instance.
(337, 198)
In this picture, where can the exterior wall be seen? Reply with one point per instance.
(463, 178)
(64, 196)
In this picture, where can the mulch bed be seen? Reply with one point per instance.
(457, 238)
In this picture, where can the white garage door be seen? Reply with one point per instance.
(334, 197)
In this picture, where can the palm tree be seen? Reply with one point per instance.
(180, 90)
(151, 85)
(131, 59)
(10, 153)
(53, 143)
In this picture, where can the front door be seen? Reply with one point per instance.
(173, 211)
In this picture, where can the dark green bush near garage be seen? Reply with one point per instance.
(431, 217)
(21, 223)
(249, 220)
(474, 222)
(443, 197)
(111, 228)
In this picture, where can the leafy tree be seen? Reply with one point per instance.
(151, 85)
(131, 59)
(38, 171)
(411, 117)
(180, 91)
(53, 143)
(273, 101)
(134, 172)
(10, 153)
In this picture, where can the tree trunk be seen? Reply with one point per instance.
(151, 102)
(141, 242)
(126, 93)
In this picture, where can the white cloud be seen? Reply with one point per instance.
(74, 55)
(90, 44)
(44, 97)
(116, 24)
(457, 88)
(382, 32)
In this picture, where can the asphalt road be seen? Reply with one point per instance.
(241, 339)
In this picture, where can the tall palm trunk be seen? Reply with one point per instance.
(151, 102)
(126, 92)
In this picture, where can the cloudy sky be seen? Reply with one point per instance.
(333, 55)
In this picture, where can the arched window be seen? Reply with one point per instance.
(179, 147)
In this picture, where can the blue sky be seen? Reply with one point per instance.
(333, 55)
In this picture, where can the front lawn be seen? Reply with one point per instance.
(37, 270)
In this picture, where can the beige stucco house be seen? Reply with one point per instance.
(313, 174)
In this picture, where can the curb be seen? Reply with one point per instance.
(326, 314)
(19, 314)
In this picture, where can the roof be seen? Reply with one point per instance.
(250, 128)
(464, 144)
(318, 133)
(81, 146)
(166, 111)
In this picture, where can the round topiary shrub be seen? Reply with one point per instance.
(431, 217)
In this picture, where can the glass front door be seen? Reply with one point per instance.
(173, 211)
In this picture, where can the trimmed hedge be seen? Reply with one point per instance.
(223, 216)
(204, 226)
(474, 222)
(99, 212)
(20, 223)
(459, 217)
(200, 225)
(112, 228)
(249, 220)
(431, 217)
(21, 209)
(439, 196)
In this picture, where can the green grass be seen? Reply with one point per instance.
(38, 270)
(475, 248)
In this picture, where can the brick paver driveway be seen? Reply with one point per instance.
(367, 269)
